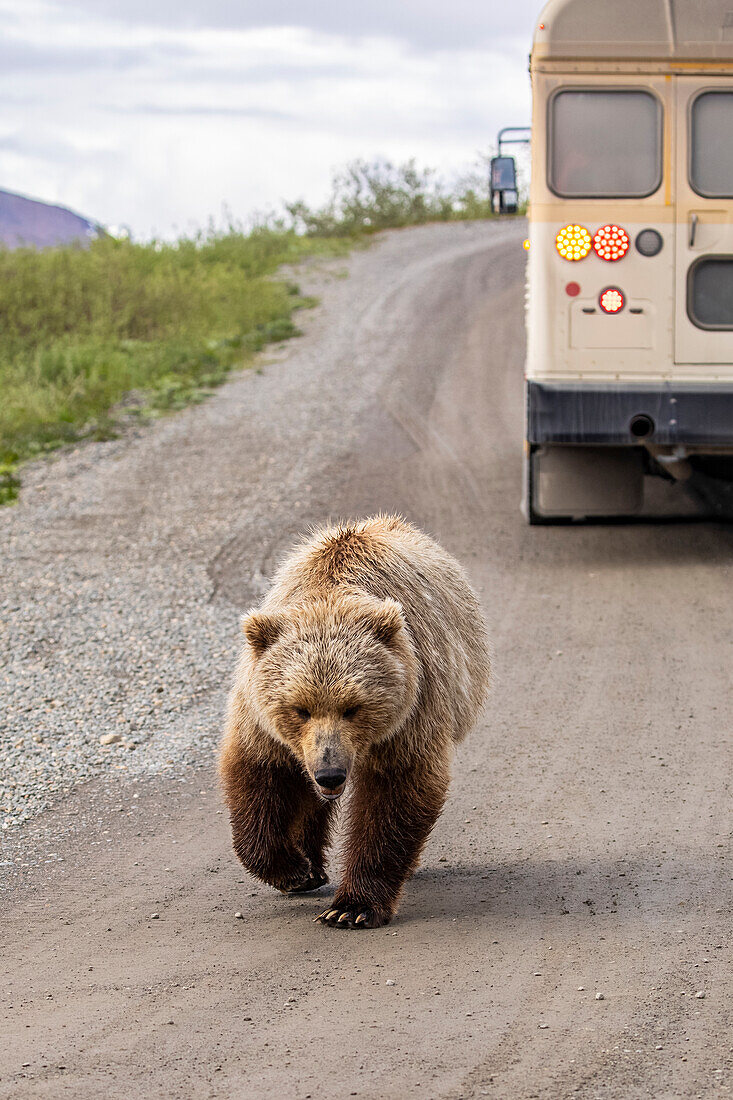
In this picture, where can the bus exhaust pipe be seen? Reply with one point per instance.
(641, 426)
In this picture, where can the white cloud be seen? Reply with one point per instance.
(425, 24)
(157, 126)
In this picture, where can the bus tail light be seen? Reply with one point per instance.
(611, 243)
(612, 300)
(573, 242)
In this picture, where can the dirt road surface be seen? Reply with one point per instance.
(569, 931)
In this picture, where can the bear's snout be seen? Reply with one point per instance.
(331, 781)
(328, 760)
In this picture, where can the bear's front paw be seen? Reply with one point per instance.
(347, 914)
(287, 875)
(315, 878)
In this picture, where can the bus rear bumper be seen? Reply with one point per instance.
(612, 414)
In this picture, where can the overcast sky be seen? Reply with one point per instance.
(157, 114)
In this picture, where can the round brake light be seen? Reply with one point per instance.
(611, 243)
(573, 242)
(611, 300)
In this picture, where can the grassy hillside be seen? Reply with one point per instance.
(88, 333)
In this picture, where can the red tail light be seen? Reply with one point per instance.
(611, 243)
(612, 300)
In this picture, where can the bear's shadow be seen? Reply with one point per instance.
(585, 889)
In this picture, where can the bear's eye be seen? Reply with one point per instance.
(302, 713)
(351, 712)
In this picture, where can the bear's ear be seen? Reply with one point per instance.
(261, 630)
(387, 620)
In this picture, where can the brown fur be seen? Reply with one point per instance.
(367, 660)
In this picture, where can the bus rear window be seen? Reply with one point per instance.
(711, 144)
(605, 144)
(710, 292)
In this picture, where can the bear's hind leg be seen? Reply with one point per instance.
(390, 818)
(266, 802)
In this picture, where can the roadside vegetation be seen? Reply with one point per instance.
(90, 336)
(367, 197)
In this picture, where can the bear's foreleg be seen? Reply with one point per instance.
(391, 815)
(276, 822)
(316, 831)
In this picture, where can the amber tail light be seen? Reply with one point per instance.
(573, 242)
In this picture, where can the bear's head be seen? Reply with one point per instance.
(332, 678)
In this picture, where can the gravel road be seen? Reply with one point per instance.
(569, 931)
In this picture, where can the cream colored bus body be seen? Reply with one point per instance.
(675, 50)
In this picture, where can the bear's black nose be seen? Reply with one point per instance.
(331, 778)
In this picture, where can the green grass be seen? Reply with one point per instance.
(83, 329)
(91, 336)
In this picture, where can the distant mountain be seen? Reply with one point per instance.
(31, 223)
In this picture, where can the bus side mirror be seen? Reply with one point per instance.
(503, 185)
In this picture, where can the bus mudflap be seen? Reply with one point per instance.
(568, 482)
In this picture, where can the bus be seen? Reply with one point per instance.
(629, 369)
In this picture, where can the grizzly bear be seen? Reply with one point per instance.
(365, 664)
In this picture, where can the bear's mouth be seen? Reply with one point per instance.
(331, 794)
(330, 781)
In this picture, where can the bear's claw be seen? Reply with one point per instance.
(315, 878)
(350, 917)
